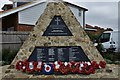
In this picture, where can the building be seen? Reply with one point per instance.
(95, 30)
(24, 17)
(7, 7)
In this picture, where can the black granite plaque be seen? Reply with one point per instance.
(56, 53)
(57, 27)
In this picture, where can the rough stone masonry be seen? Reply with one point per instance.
(79, 38)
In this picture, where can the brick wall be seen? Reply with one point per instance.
(22, 27)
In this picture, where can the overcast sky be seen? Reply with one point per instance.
(103, 13)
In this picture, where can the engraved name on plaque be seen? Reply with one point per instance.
(58, 53)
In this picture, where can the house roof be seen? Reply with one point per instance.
(30, 4)
(90, 29)
(74, 4)
(7, 5)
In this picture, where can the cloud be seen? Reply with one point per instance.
(104, 14)
(2, 2)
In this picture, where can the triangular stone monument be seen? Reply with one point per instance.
(57, 27)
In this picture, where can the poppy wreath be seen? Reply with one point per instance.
(19, 65)
(57, 65)
(95, 65)
(24, 66)
(74, 67)
(81, 68)
(88, 69)
(102, 64)
(64, 68)
(38, 66)
(30, 67)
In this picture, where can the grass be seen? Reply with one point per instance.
(112, 57)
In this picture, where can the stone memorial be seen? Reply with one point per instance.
(57, 36)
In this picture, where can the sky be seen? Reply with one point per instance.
(102, 13)
(2, 2)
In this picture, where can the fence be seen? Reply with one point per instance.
(12, 39)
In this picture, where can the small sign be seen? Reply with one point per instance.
(58, 53)
(57, 27)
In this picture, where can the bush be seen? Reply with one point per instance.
(7, 56)
(100, 48)
(112, 58)
(93, 37)
(109, 61)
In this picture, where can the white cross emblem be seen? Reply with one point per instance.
(57, 20)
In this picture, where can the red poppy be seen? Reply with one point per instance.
(95, 65)
(81, 68)
(24, 66)
(19, 65)
(74, 67)
(86, 69)
(90, 70)
(30, 67)
(102, 64)
(56, 66)
(64, 69)
(38, 66)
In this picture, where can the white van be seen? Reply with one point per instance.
(109, 40)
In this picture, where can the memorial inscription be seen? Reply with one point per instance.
(57, 27)
(58, 53)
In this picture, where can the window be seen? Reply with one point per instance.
(79, 13)
(105, 37)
